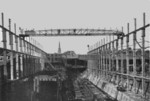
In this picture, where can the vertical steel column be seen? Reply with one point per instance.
(5, 47)
(99, 59)
(117, 60)
(29, 65)
(102, 59)
(105, 47)
(113, 56)
(42, 59)
(134, 57)
(29, 45)
(32, 49)
(96, 60)
(17, 60)
(105, 57)
(127, 56)
(122, 57)
(117, 63)
(38, 64)
(21, 56)
(108, 60)
(143, 54)
(29, 60)
(35, 64)
(11, 53)
(32, 64)
(110, 56)
(34, 59)
(38, 60)
(106, 54)
(25, 59)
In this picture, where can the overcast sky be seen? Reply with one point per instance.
(47, 14)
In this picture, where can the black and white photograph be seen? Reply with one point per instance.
(74, 50)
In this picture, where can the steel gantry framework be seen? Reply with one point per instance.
(124, 62)
(19, 57)
(71, 32)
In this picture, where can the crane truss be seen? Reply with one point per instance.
(71, 32)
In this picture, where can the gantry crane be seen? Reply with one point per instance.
(71, 32)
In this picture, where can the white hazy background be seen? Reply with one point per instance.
(47, 14)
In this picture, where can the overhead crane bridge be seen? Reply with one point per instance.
(71, 32)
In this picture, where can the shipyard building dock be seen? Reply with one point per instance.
(112, 70)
